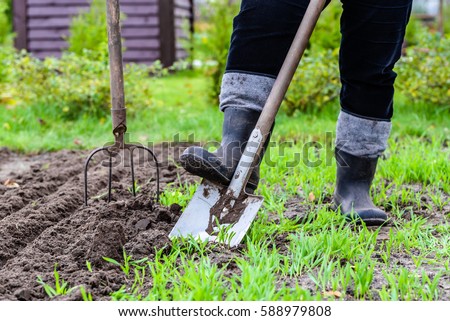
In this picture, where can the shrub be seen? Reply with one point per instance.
(88, 32)
(214, 40)
(71, 86)
(327, 34)
(414, 30)
(315, 83)
(424, 74)
(5, 22)
(447, 20)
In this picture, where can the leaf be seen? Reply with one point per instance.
(110, 260)
(330, 294)
(143, 260)
(10, 183)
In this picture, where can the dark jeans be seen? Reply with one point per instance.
(372, 38)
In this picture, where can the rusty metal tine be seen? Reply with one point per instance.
(86, 164)
(157, 169)
(110, 178)
(132, 171)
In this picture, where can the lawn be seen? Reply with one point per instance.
(297, 248)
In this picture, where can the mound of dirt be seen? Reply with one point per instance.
(43, 221)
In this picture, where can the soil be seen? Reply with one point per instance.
(43, 222)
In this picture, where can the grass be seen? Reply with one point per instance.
(189, 111)
(60, 287)
(283, 258)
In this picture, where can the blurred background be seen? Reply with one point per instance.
(55, 67)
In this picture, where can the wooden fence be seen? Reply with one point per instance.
(152, 30)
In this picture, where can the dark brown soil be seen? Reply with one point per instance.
(43, 221)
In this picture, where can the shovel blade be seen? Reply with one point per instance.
(205, 217)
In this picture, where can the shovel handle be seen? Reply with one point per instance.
(118, 110)
(289, 66)
(259, 135)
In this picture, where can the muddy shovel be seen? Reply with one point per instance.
(224, 214)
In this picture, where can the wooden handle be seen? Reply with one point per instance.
(259, 135)
(290, 65)
(118, 111)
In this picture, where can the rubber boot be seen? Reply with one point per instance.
(353, 180)
(220, 166)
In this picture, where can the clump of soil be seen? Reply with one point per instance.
(43, 221)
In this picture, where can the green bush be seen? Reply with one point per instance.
(315, 83)
(447, 20)
(414, 30)
(88, 32)
(69, 87)
(424, 73)
(5, 22)
(327, 34)
(77, 84)
(214, 40)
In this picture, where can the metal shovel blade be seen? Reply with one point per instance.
(212, 215)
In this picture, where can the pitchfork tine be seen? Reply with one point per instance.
(86, 164)
(132, 171)
(110, 177)
(131, 148)
(157, 168)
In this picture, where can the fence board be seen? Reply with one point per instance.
(128, 33)
(139, 54)
(61, 22)
(82, 2)
(47, 53)
(51, 11)
(20, 24)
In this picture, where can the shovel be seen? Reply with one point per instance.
(224, 214)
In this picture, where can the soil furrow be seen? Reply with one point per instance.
(45, 175)
(23, 226)
(88, 234)
(50, 225)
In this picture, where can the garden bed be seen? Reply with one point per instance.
(43, 222)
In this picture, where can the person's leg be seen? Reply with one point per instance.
(262, 34)
(372, 38)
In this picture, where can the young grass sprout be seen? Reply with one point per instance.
(60, 286)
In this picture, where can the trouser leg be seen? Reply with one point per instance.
(262, 34)
(372, 38)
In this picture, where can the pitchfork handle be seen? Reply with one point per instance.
(118, 110)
